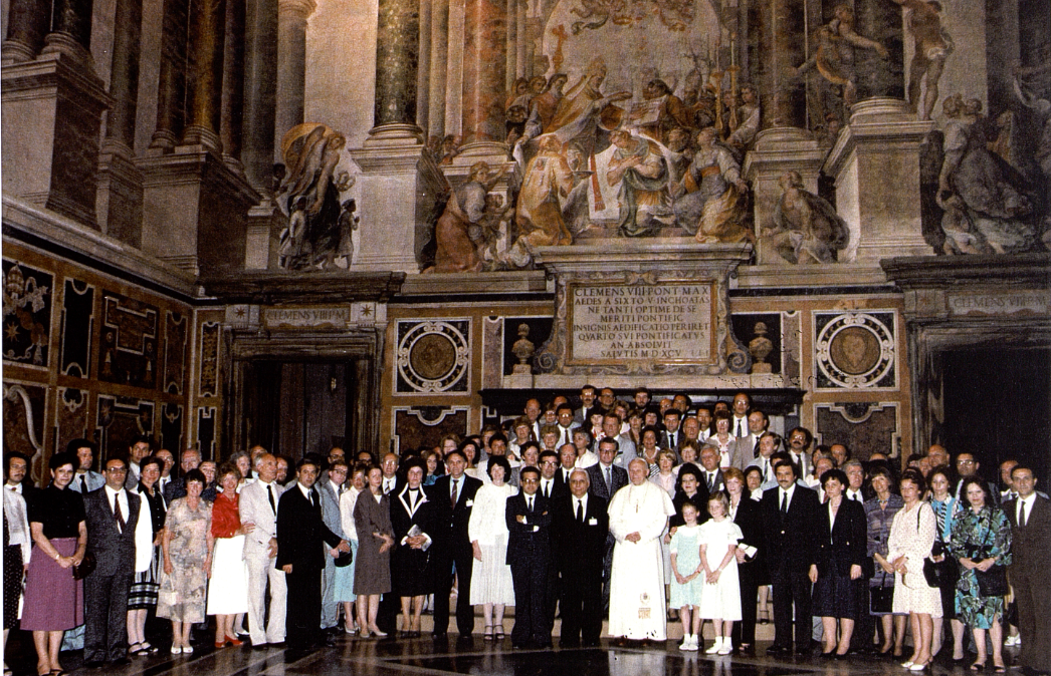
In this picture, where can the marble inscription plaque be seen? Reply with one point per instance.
(1036, 302)
(667, 322)
(306, 317)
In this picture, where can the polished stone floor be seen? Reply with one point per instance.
(422, 657)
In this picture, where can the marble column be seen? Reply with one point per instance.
(782, 48)
(171, 87)
(784, 144)
(231, 124)
(484, 75)
(397, 60)
(511, 57)
(119, 202)
(28, 22)
(439, 67)
(257, 153)
(292, 18)
(204, 94)
(523, 57)
(260, 92)
(423, 68)
(396, 167)
(70, 30)
(879, 77)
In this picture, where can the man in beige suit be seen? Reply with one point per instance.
(258, 505)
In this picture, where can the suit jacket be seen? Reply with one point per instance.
(743, 451)
(791, 546)
(254, 507)
(1030, 543)
(579, 547)
(528, 542)
(330, 508)
(749, 519)
(618, 476)
(844, 545)
(665, 439)
(451, 537)
(720, 483)
(114, 550)
(561, 485)
(301, 532)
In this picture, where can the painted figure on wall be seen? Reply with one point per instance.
(640, 168)
(834, 61)
(580, 112)
(460, 232)
(548, 181)
(988, 204)
(933, 45)
(806, 229)
(310, 195)
(710, 202)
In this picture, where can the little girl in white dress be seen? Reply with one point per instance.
(720, 595)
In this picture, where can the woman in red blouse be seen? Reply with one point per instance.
(228, 586)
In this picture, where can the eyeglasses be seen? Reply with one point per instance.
(117, 470)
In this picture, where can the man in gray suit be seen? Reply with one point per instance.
(258, 505)
(746, 449)
(111, 515)
(330, 490)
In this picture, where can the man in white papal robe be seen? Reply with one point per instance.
(638, 515)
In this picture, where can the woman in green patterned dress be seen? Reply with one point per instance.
(981, 539)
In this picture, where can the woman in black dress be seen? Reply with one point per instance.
(54, 600)
(751, 564)
(841, 534)
(414, 518)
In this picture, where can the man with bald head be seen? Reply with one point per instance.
(938, 456)
(638, 516)
(579, 527)
(258, 505)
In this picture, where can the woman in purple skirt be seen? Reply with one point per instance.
(54, 601)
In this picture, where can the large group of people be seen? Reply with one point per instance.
(640, 512)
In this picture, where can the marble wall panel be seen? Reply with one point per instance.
(23, 415)
(128, 348)
(119, 420)
(71, 416)
(28, 294)
(78, 322)
(177, 329)
(424, 426)
(865, 428)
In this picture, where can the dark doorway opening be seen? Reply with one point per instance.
(297, 407)
(998, 406)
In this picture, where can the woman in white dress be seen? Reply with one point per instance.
(911, 540)
(491, 584)
(721, 593)
(345, 576)
(228, 584)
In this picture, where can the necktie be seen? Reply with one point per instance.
(1021, 514)
(116, 513)
(452, 497)
(84, 484)
(580, 511)
(270, 497)
(313, 499)
(711, 482)
(784, 504)
(737, 428)
(609, 482)
(530, 506)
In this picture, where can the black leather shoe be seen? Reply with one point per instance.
(777, 650)
(94, 664)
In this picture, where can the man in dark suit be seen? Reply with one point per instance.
(606, 479)
(712, 479)
(301, 533)
(671, 436)
(789, 514)
(567, 461)
(582, 416)
(1030, 517)
(579, 528)
(455, 493)
(745, 450)
(111, 515)
(529, 555)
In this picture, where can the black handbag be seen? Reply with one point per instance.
(992, 582)
(87, 566)
(939, 573)
(881, 599)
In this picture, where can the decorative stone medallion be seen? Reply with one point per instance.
(433, 356)
(855, 350)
